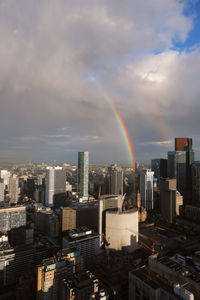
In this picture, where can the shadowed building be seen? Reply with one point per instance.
(79, 286)
(179, 166)
(115, 180)
(170, 200)
(159, 167)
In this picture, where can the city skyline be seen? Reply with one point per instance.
(63, 63)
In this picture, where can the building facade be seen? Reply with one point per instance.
(53, 270)
(177, 169)
(1, 192)
(83, 285)
(106, 203)
(55, 185)
(122, 230)
(146, 189)
(47, 222)
(5, 174)
(79, 214)
(13, 189)
(12, 217)
(85, 240)
(82, 176)
(170, 200)
(115, 180)
(195, 170)
(159, 167)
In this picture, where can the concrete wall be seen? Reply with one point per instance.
(122, 230)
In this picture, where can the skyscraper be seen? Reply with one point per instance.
(159, 167)
(195, 183)
(82, 180)
(55, 184)
(115, 180)
(177, 169)
(179, 166)
(182, 144)
(146, 189)
(170, 200)
(1, 192)
(14, 189)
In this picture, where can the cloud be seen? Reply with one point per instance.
(47, 50)
(158, 143)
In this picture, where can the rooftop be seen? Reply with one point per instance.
(80, 233)
(155, 281)
(81, 280)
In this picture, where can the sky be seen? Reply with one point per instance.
(61, 61)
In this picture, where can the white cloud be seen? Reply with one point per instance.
(48, 47)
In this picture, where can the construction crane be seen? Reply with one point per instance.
(150, 239)
(105, 241)
(153, 242)
(123, 198)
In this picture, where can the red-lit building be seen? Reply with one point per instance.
(182, 144)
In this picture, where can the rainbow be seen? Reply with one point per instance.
(121, 125)
(120, 122)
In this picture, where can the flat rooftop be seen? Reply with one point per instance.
(155, 281)
(178, 267)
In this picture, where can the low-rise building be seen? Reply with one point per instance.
(53, 270)
(79, 286)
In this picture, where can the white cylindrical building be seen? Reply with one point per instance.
(122, 229)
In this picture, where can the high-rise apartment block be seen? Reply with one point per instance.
(146, 189)
(53, 270)
(159, 167)
(82, 179)
(115, 180)
(170, 200)
(55, 185)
